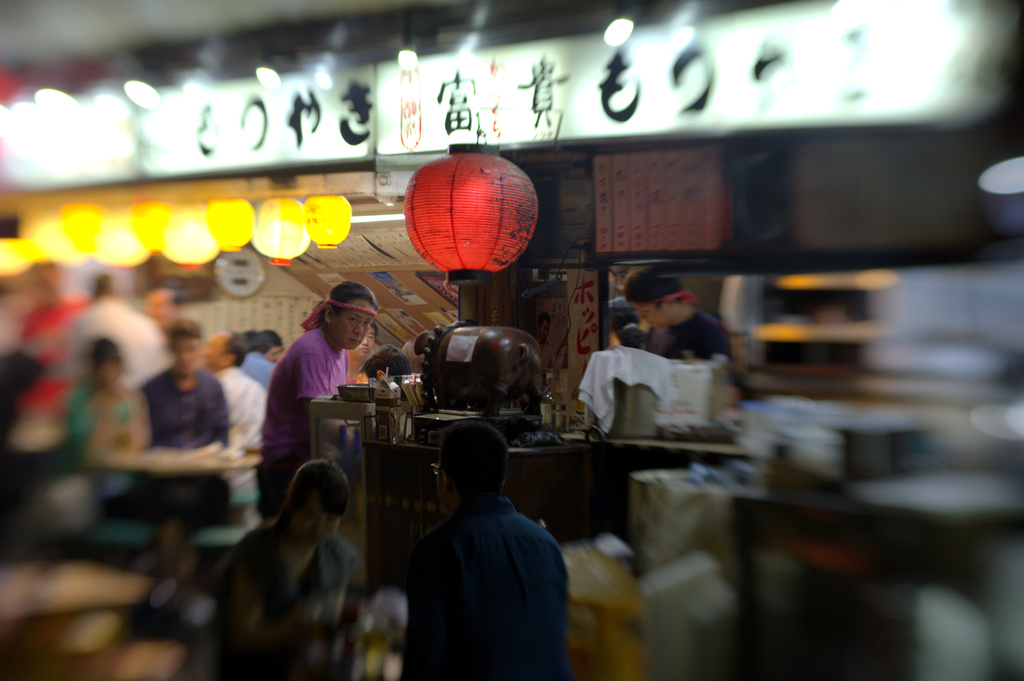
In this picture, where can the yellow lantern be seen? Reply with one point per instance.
(117, 244)
(279, 233)
(230, 222)
(327, 219)
(17, 255)
(47, 233)
(149, 219)
(187, 239)
(82, 223)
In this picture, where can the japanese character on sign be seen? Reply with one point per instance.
(360, 105)
(857, 40)
(300, 107)
(688, 59)
(257, 103)
(610, 86)
(584, 295)
(772, 62)
(207, 133)
(411, 113)
(496, 71)
(543, 85)
(581, 335)
(459, 116)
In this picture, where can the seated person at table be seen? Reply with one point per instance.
(187, 410)
(280, 577)
(246, 398)
(357, 357)
(265, 349)
(105, 417)
(388, 360)
(678, 328)
(487, 587)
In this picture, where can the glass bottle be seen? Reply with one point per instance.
(547, 400)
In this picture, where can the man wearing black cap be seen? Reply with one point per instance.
(678, 329)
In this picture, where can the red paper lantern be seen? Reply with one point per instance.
(470, 213)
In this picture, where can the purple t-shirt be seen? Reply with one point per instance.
(309, 368)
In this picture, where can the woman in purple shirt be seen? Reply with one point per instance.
(314, 365)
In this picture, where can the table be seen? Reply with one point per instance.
(714, 449)
(39, 588)
(167, 462)
(67, 620)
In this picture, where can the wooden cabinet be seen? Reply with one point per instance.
(819, 320)
(552, 484)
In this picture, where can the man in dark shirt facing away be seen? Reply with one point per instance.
(678, 329)
(487, 586)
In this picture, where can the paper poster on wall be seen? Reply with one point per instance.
(439, 319)
(385, 338)
(396, 288)
(549, 331)
(331, 278)
(407, 320)
(439, 282)
(391, 325)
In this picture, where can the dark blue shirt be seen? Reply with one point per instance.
(488, 599)
(701, 334)
(189, 419)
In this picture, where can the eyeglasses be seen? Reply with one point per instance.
(436, 467)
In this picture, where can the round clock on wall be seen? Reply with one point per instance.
(240, 273)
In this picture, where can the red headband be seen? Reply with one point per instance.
(313, 320)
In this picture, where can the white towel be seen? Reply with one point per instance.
(629, 365)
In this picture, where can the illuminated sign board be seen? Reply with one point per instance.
(788, 66)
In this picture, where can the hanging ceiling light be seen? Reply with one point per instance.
(230, 222)
(117, 244)
(327, 219)
(55, 99)
(149, 220)
(407, 57)
(187, 239)
(47, 233)
(268, 77)
(279, 233)
(470, 213)
(619, 31)
(143, 94)
(81, 222)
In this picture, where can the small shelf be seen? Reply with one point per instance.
(865, 280)
(841, 332)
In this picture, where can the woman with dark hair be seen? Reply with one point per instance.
(284, 580)
(315, 364)
(624, 320)
(104, 416)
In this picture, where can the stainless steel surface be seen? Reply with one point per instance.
(359, 392)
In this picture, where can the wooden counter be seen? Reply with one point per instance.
(615, 459)
(552, 484)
